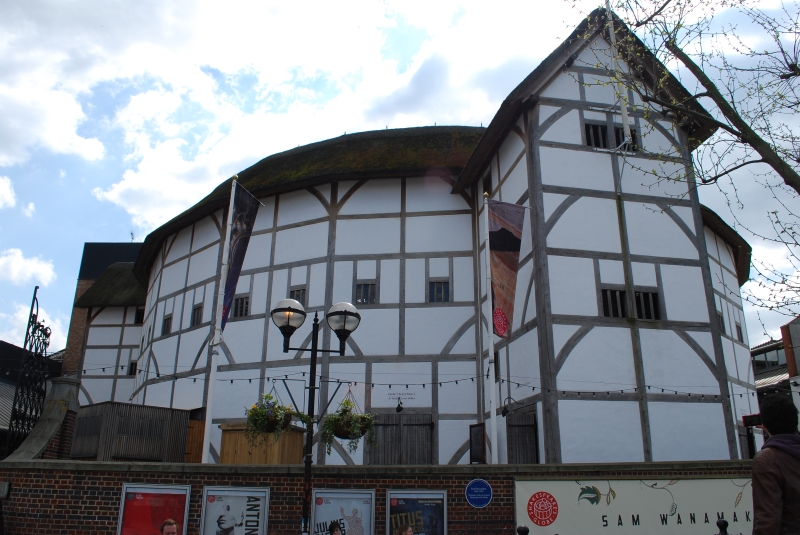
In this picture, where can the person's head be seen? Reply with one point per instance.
(778, 415)
(405, 530)
(169, 527)
(334, 528)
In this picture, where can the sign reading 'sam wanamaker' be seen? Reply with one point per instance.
(633, 506)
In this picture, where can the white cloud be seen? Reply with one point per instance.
(13, 326)
(7, 196)
(29, 210)
(19, 270)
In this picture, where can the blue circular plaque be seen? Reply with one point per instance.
(478, 493)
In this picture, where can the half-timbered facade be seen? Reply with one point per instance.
(628, 340)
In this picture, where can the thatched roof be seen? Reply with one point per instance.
(115, 287)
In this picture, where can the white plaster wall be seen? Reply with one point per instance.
(173, 278)
(563, 86)
(684, 293)
(566, 130)
(258, 252)
(431, 234)
(452, 435)
(516, 184)
(302, 243)
(179, 247)
(132, 335)
(649, 177)
(124, 389)
(432, 193)
(602, 361)
(188, 393)
(379, 331)
(266, 214)
(159, 394)
(244, 339)
(316, 290)
(298, 206)
(511, 149)
(672, 364)
(415, 281)
(109, 316)
(374, 197)
(422, 339)
(572, 288)
(95, 359)
(205, 233)
(390, 281)
(524, 275)
(599, 89)
(99, 390)
(231, 400)
(654, 141)
(590, 224)
(687, 431)
(600, 431)
(343, 282)
(99, 336)
(523, 364)
(465, 344)
(576, 169)
(644, 274)
(192, 343)
(461, 398)
(597, 55)
(652, 232)
(368, 236)
(399, 374)
(611, 272)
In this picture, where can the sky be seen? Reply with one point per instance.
(115, 116)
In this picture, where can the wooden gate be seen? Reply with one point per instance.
(523, 438)
(402, 439)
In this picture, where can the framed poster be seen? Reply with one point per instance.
(144, 507)
(353, 509)
(425, 511)
(235, 511)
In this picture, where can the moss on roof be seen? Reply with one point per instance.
(403, 152)
(116, 286)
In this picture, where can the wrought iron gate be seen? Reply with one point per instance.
(31, 383)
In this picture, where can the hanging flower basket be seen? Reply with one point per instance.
(347, 423)
(269, 417)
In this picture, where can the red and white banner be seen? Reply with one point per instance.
(505, 239)
(145, 507)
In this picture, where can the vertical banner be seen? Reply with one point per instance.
(235, 511)
(145, 507)
(354, 510)
(505, 239)
(245, 209)
(424, 511)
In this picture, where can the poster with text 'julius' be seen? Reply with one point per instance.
(425, 512)
(145, 507)
(635, 506)
(354, 510)
(235, 511)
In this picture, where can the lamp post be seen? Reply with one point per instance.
(288, 315)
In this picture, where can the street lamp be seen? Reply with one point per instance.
(288, 315)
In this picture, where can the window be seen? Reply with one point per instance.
(366, 293)
(439, 292)
(619, 137)
(299, 295)
(647, 305)
(401, 439)
(241, 307)
(166, 325)
(739, 333)
(614, 303)
(596, 135)
(721, 319)
(132, 367)
(197, 315)
(139, 318)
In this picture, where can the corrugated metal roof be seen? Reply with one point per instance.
(6, 402)
(772, 377)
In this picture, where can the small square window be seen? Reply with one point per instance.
(166, 325)
(619, 137)
(366, 293)
(139, 317)
(439, 292)
(197, 315)
(241, 307)
(596, 135)
(614, 305)
(739, 333)
(647, 306)
(132, 367)
(721, 320)
(299, 295)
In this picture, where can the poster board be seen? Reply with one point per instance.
(353, 509)
(235, 511)
(634, 506)
(144, 507)
(424, 510)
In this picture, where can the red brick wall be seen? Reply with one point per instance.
(76, 335)
(60, 446)
(84, 497)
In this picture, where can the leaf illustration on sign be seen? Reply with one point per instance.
(590, 494)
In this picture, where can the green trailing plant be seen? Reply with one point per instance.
(347, 424)
(269, 417)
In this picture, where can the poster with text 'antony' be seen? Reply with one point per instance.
(354, 510)
(235, 511)
(425, 512)
(145, 507)
(635, 506)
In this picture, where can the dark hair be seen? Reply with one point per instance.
(778, 415)
(402, 529)
(334, 526)
(167, 522)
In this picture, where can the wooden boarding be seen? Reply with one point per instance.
(194, 441)
(235, 449)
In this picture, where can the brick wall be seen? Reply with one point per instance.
(58, 497)
(60, 446)
(76, 335)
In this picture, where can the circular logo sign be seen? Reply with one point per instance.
(320, 501)
(500, 322)
(478, 493)
(542, 509)
(393, 502)
(211, 499)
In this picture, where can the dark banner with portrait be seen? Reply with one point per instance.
(245, 209)
(416, 512)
